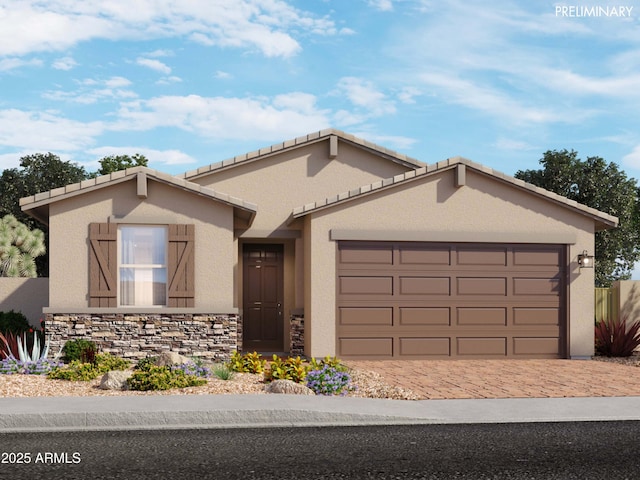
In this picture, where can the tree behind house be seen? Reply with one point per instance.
(603, 186)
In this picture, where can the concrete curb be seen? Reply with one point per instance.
(241, 411)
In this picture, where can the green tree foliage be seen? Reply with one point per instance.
(37, 173)
(603, 186)
(19, 247)
(113, 163)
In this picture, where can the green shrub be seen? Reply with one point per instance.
(223, 372)
(247, 363)
(332, 362)
(289, 369)
(13, 322)
(85, 372)
(162, 378)
(79, 349)
(145, 363)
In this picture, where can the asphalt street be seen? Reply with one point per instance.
(566, 450)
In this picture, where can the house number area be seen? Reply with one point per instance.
(52, 458)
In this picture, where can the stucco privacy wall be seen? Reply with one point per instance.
(69, 248)
(26, 295)
(432, 205)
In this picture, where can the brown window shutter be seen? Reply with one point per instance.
(103, 264)
(181, 266)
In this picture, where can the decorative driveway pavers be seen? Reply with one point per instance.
(447, 379)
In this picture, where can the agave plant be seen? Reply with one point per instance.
(38, 352)
(614, 338)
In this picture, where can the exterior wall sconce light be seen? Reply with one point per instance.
(585, 260)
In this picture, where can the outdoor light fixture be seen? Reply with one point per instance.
(585, 260)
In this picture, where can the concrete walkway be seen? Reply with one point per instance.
(234, 411)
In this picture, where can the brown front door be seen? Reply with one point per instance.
(262, 292)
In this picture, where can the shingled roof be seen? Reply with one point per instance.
(299, 142)
(603, 220)
(38, 205)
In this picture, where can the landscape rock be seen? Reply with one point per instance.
(289, 387)
(170, 358)
(115, 380)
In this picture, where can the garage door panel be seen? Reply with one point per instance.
(536, 257)
(490, 257)
(536, 286)
(425, 286)
(416, 346)
(366, 316)
(372, 347)
(366, 285)
(453, 301)
(481, 316)
(410, 316)
(535, 346)
(367, 255)
(536, 316)
(481, 286)
(420, 256)
(496, 346)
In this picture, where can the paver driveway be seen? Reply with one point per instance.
(440, 379)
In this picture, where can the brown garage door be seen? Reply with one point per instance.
(427, 300)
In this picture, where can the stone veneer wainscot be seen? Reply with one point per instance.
(134, 336)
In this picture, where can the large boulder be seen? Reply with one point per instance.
(115, 380)
(289, 387)
(166, 359)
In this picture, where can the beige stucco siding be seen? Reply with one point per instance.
(484, 205)
(282, 182)
(215, 255)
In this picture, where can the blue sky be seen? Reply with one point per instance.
(188, 83)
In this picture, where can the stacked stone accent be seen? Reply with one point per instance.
(296, 335)
(209, 336)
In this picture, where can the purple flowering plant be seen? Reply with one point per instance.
(329, 380)
(194, 369)
(11, 365)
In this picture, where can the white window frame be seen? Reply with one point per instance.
(141, 266)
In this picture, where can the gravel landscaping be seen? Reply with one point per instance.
(369, 384)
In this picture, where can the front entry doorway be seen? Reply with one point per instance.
(263, 285)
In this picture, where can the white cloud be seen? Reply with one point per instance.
(11, 63)
(227, 118)
(407, 94)
(511, 144)
(155, 157)
(383, 5)
(156, 65)
(364, 95)
(92, 91)
(64, 63)
(45, 131)
(222, 75)
(33, 26)
(495, 102)
(169, 80)
(632, 159)
(160, 53)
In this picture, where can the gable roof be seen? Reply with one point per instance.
(298, 142)
(38, 205)
(602, 220)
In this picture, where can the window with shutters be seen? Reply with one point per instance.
(142, 266)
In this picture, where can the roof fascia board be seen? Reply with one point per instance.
(603, 220)
(322, 135)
